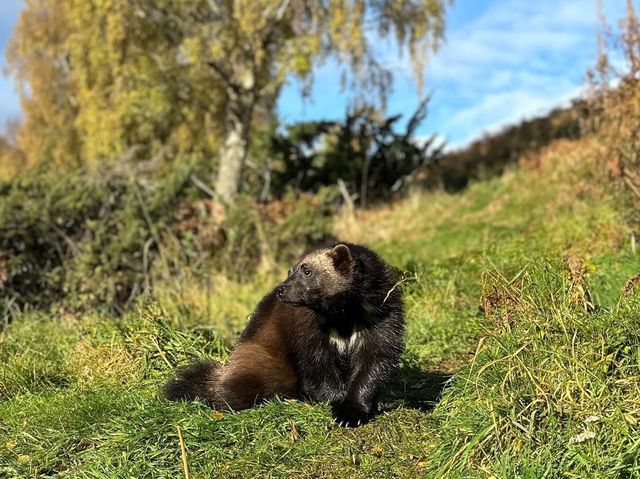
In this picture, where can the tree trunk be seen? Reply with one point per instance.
(232, 156)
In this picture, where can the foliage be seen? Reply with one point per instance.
(119, 80)
(92, 240)
(105, 80)
(254, 46)
(12, 160)
(615, 101)
(260, 235)
(365, 151)
(38, 57)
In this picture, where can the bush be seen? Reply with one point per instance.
(259, 235)
(86, 237)
(490, 155)
(93, 239)
(365, 151)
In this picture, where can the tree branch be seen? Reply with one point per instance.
(237, 89)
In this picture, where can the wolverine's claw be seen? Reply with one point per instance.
(359, 422)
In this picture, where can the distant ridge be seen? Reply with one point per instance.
(489, 155)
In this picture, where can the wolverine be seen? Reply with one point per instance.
(332, 332)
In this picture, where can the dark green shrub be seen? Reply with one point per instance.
(42, 220)
(89, 239)
(366, 150)
(490, 155)
(85, 237)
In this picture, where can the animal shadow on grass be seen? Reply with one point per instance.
(411, 387)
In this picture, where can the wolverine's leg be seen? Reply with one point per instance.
(254, 375)
(360, 402)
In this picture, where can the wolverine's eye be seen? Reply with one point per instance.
(307, 272)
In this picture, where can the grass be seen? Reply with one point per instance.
(514, 287)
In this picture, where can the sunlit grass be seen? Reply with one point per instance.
(545, 361)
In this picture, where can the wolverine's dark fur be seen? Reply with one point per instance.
(332, 332)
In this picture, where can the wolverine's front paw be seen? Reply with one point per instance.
(349, 414)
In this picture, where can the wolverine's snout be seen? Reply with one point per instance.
(285, 293)
(291, 293)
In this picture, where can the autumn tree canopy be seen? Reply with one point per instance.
(107, 79)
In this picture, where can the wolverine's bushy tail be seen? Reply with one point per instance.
(197, 381)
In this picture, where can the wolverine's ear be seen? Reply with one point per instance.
(342, 259)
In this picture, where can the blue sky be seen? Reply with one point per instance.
(9, 104)
(503, 60)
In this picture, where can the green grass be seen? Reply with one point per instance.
(513, 286)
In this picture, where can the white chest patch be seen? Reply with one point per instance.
(343, 344)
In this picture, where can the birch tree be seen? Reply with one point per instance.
(253, 45)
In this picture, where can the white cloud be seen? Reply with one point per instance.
(512, 33)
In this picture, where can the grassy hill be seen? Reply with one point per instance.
(523, 325)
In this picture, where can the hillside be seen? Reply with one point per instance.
(492, 153)
(522, 353)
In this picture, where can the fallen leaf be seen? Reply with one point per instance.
(377, 451)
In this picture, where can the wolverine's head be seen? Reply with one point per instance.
(318, 277)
